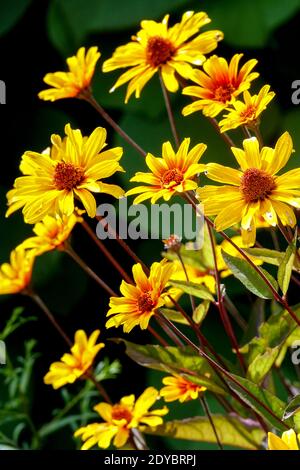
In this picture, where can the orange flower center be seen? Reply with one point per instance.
(67, 176)
(256, 185)
(249, 112)
(159, 51)
(145, 302)
(224, 92)
(121, 412)
(170, 176)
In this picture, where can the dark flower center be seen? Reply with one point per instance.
(145, 303)
(159, 51)
(224, 92)
(121, 412)
(67, 176)
(256, 185)
(170, 176)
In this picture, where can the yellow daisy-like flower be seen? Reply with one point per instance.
(74, 170)
(140, 301)
(218, 85)
(254, 190)
(75, 364)
(119, 419)
(173, 173)
(15, 276)
(156, 47)
(288, 441)
(247, 112)
(52, 232)
(178, 388)
(74, 82)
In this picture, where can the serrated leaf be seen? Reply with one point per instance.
(231, 431)
(182, 361)
(248, 276)
(292, 408)
(286, 267)
(261, 401)
(197, 290)
(264, 254)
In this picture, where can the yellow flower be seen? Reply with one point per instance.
(52, 232)
(120, 418)
(75, 168)
(255, 190)
(16, 276)
(178, 388)
(72, 83)
(75, 364)
(171, 174)
(156, 47)
(218, 86)
(247, 113)
(288, 441)
(140, 301)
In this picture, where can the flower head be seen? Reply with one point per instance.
(179, 388)
(120, 418)
(170, 50)
(173, 173)
(247, 112)
(74, 168)
(254, 190)
(288, 441)
(52, 232)
(140, 301)
(72, 83)
(75, 364)
(218, 85)
(15, 276)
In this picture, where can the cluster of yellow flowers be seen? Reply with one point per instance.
(57, 184)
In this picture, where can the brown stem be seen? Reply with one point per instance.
(169, 110)
(228, 141)
(106, 252)
(37, 299)
(122, 243)
(208, 414)
(187, 278)
(221, 307)
(88, 270)
(161, 340)
(98, 386)
(87, 96)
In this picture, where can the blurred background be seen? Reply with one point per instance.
(35, 38)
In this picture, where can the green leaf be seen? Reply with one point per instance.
(261, 365)
(248, 276)
(265, 399)
(175, 316)
(268, 256)
(292, 408)
(182, 361)
(197, 290)
(10, 14)
(231, 431)
(286, 267)
(200, 312)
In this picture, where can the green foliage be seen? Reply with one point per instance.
(182, 361)
(197, 290)
(286, 267)
(248, 276)
(231, 431)
(10, 15)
